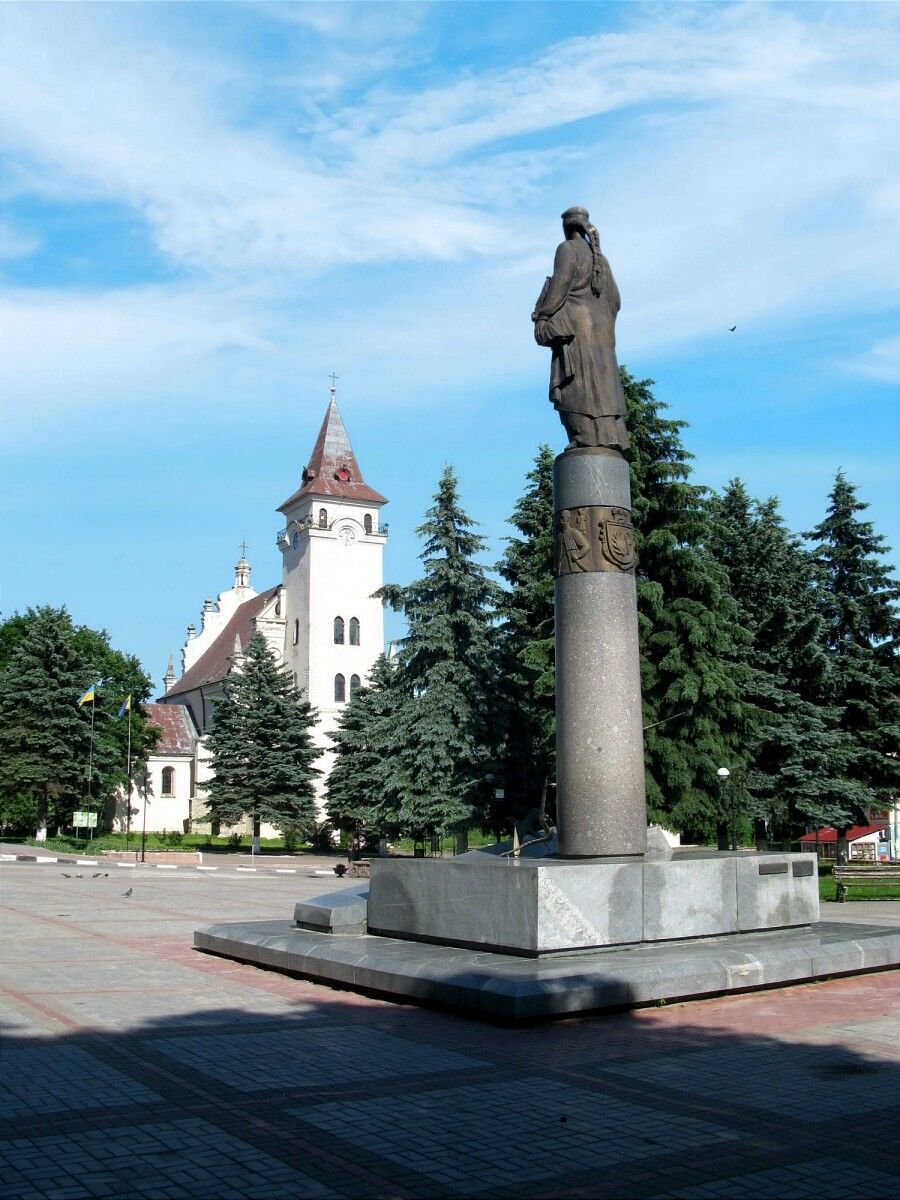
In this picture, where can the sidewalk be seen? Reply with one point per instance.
(137, 1067)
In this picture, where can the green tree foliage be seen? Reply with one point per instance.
(361, 792)
(446, 729)
(46, 663)
(797, 752)
(689, 628)
(261, 747)
(858, 598)
(120, 675)
(44, 736)
(527, 691)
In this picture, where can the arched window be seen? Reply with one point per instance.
(340, 694)
(323, 518)
(339, 631)
(296, 630)
(367, 522)
(354, 685)
(354, 631)
(168, 781)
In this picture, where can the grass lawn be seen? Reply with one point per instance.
(828, 888)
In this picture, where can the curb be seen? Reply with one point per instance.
(41, 859)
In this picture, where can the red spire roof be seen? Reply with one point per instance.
(333, 469)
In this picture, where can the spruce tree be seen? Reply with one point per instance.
(858, 599)
(361, 793)
(119, 675)
(44, 735)
(262, 748)
(797, 753)
(527, 693)
(446, 729)
(695, 717)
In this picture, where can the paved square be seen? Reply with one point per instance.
(133, 1066)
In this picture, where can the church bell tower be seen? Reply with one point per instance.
(332, 549)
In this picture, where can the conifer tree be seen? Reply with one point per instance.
(695, 717)
(261, 745)
(361, 793)
(44, 736)
(527, 692)
(446, 733)
(858, 599)
(119, 675)
(797, 753)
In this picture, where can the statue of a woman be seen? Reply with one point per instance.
(576, 317)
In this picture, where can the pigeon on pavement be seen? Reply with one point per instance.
(128, 893)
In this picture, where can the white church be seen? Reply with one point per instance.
(321, 621)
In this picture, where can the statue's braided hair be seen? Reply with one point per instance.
(597, 275)
(601, 276)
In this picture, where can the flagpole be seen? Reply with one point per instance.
(144, 823)
(128, 772)
(91, 765)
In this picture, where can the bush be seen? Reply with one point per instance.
(18, 814)
(294, 836)
(323, 837)
(234, 841)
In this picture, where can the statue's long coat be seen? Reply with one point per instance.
(580, 328)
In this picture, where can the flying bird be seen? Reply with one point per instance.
(128, 893)
(732, 328)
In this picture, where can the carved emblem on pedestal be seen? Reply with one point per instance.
(595, 538)
(618, 538)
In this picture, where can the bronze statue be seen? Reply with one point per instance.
(576, 317)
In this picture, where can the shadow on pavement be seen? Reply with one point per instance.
(354, 1098)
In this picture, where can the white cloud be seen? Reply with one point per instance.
(738, 159)
(16, 242)
(59, 350)
(881, 361)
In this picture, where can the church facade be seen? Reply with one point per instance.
(321, 620)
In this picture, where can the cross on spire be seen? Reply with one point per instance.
(243, 548)
(334, 378)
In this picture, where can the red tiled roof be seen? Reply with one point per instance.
(333, 469)
(175, 724)
(215, 663)
(857, 831)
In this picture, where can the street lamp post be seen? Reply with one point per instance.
(724, 775)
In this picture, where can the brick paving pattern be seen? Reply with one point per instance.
(133, 1066)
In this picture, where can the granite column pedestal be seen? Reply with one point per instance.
(601, 803)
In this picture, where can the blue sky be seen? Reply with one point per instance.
(207, 208)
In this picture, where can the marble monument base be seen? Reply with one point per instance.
(550, 905)
(511, 988)
(543, 937)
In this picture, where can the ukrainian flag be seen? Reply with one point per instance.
(89, 695)
(126, 705)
